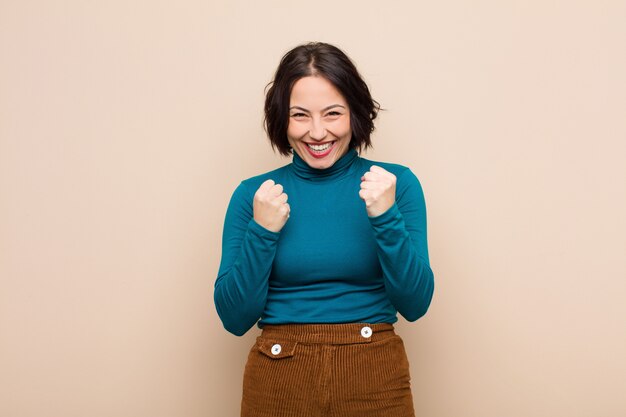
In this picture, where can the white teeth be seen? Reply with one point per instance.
(320, 148)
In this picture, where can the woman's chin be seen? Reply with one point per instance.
(320, 163)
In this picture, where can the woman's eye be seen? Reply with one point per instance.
(298, 115)
(333, 113)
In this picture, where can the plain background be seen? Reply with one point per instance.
(126, 125)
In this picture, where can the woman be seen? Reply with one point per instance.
(325, 251)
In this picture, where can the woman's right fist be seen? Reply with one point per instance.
(270, 206)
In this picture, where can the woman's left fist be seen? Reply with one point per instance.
(378, 190)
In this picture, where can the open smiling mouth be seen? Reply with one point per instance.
(320, 151)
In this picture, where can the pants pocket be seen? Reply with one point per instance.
(276, 349)
(277, 376)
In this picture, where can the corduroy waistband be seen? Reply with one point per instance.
(334, 334)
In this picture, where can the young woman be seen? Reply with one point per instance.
(324, 252)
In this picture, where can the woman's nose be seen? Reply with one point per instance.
(317, 132)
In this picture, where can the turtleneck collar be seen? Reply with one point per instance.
(337, 170)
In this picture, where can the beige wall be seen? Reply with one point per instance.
(125, 126)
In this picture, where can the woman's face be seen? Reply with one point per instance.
(319, 122)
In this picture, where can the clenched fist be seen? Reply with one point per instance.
(270, 206)
(378, 190)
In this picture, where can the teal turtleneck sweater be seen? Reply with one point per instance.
(330, 263)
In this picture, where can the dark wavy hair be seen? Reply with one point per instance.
(330, 62)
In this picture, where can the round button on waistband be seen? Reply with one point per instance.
(276, 349)
(366, 332)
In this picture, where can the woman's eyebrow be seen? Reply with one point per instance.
(324, 109)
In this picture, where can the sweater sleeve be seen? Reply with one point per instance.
(402, 248)
(248, 250)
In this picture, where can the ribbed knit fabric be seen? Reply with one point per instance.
(331, 262)
(329, 370)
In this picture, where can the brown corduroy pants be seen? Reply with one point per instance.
(338, 370)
